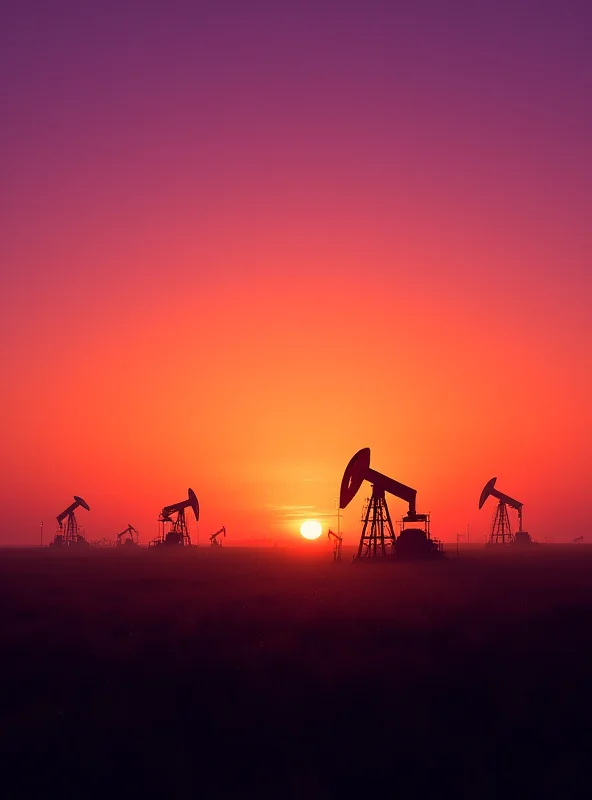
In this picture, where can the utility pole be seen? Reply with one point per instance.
(41, 533)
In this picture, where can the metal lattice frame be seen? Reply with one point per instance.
(71, 532)
(178, 526)
(378, 536)
(501, 532)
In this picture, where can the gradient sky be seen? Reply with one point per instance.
(241, 240)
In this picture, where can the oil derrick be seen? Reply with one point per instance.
(337, 543)
(71, 534)
(378, 538)
(501, 530)
(128, 538)
(214, 537)
(173, 529)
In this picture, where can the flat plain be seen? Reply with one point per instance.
(278, 673)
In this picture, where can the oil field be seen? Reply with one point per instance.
(295, 412)
(244, 672)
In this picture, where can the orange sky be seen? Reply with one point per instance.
(257, 391)
(239, 302)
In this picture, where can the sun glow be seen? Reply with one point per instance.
(311, 529)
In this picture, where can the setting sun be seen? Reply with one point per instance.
(311, 529)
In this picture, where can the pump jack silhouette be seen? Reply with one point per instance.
(71, 535)
(174, 531)
(378, 538)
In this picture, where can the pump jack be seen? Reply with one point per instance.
(174, 531)
(501, 532)
(378, 536)
(214, 537)
(337, 542)
(131, 538)
(71, 535)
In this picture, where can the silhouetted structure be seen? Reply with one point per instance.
(214, 537)
(378, 536)
(128, 538)
(71, 535)
(501, 531)
(337, 543)
(413, 542)
(174, 532)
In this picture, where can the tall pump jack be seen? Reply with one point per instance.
(378, 535)
(174, 530)
(501, 532)
(132, 537)
(214, 537)
(71, 535)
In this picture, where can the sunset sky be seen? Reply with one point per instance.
(242, 240)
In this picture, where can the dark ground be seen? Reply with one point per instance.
(238, 673)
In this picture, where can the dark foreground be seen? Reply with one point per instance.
(239, 673)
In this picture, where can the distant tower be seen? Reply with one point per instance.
(337, 543)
